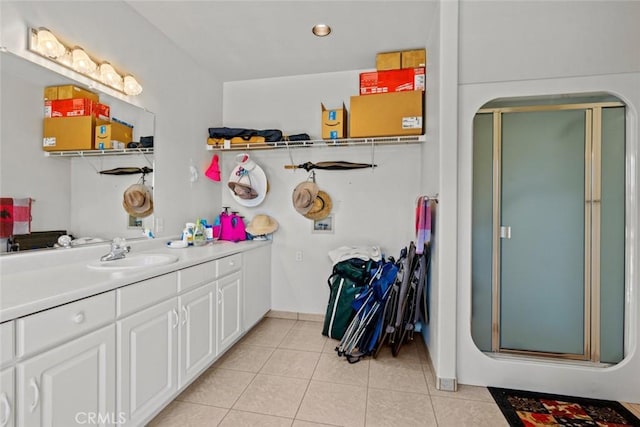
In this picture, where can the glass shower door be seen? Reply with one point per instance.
(542, 246)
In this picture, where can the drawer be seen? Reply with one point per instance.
(192, 277)
(229, 264)
(7, 340)
(142, 294)
(49, 327)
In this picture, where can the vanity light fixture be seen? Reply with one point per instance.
(110, 76)
(131, 85)
(321, 30)
(81, 62)
(48, 45)
(44, 43)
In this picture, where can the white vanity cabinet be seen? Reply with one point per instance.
(66, 366)
(198, 343)
(229, 310)
(256, 286)
(69, 384)
(147, 346)
(7, 375)
(7, 397)
(147, 361)
(119, 357)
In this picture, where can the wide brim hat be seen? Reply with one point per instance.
(138, 201)
(242, 190)
(247, 182)
(303, 196)
(321, 207)
(262, 224)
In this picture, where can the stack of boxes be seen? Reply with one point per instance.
(76, 120)
(391, 99)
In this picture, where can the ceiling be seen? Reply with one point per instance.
(241, 40)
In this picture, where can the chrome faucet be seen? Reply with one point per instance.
(118, 250)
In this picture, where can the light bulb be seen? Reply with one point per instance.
(81, 62)
(109, 76)
(48, 44)
(131, 86)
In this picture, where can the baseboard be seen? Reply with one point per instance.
(446, 384)
(292, 315)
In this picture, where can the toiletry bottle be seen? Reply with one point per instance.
(199, 237)
(190, 229)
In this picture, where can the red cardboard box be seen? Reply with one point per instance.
(76, 107)
(388, 81)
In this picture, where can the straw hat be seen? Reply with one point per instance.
(303, 196)
(138, 201)
(262, 224)
(320, 208)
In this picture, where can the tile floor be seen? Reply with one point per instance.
(285, 373)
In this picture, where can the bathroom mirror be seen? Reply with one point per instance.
(68, 192)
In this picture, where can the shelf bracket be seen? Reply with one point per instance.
(82, 156)
(373, 150)
(290, 154)
(146, 158)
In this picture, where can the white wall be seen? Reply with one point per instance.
(369, 207)
(182, 112)
(508, 35)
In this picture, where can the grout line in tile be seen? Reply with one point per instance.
(306, 390)
(257, 413)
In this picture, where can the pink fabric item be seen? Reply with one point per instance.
(213, 171)
(15, 216)
(423, 224)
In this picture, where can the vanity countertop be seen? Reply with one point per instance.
(24, 291)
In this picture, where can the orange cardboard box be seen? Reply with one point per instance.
(334, 122)
(387, 114)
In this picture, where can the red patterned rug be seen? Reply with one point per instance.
(530, 409)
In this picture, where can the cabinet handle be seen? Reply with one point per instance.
(220, 296)
(177, 318)
(186, 315)
(36, 394)
(79, 317)
(232, 263)
(7, 410)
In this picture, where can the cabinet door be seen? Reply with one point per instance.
(7, 398)
(148, 359)
(256, 285)
(197, 331)
(229, 310)
(70, 384)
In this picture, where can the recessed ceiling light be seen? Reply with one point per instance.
(321, 30)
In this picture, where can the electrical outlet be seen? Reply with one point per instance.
(299, 256)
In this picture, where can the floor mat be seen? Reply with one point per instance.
(531, 409)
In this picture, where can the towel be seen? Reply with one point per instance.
(15, 216)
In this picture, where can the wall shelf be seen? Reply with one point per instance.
(345, 142)
(92, 153)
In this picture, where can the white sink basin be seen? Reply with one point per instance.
(130, 262)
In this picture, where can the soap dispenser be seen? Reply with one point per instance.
(199, 236)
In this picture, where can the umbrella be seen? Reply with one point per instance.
(127, 171)
(335, 165)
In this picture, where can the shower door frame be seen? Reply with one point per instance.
(592, 216)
